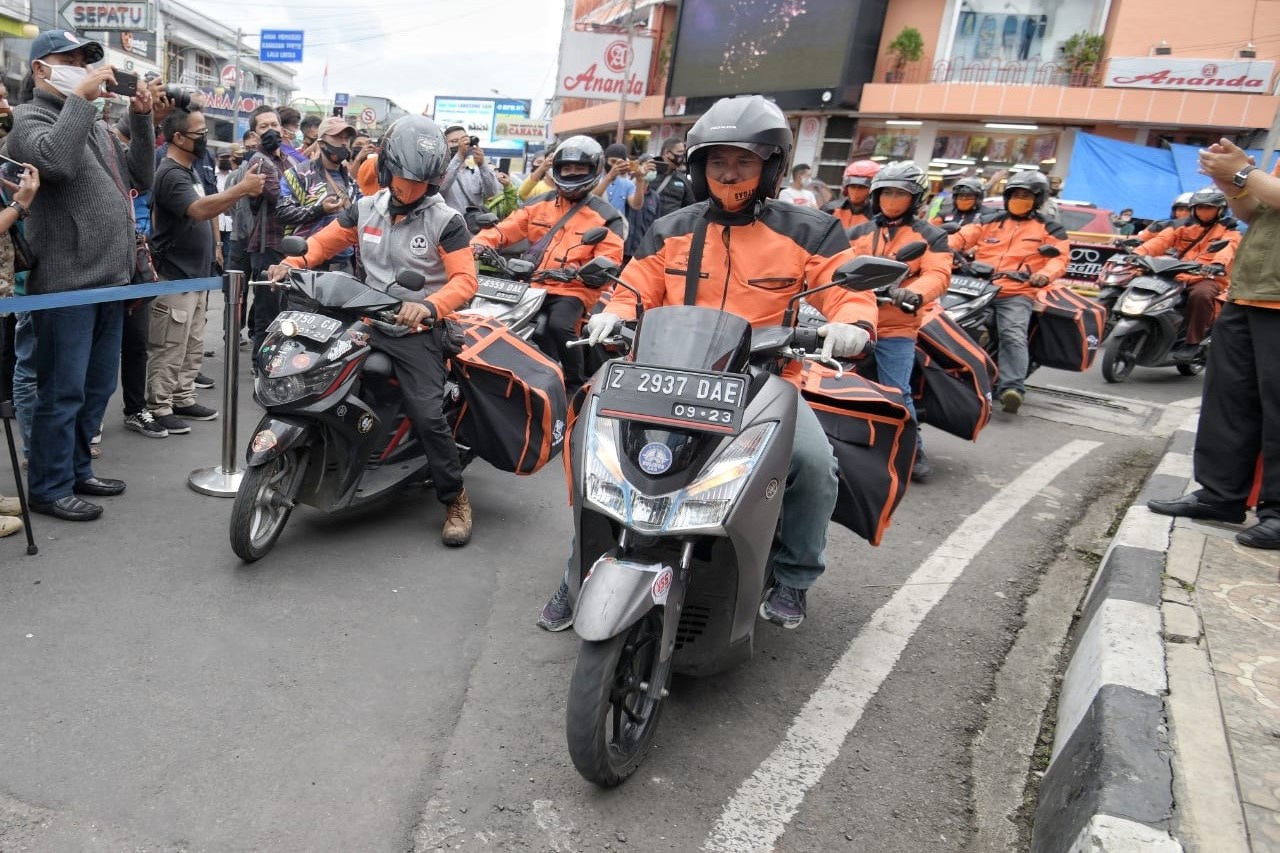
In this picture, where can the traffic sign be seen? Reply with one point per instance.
(123, 15)
(341, 99)
(368, 116)
(280, 46)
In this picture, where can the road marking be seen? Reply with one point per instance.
(760, 810)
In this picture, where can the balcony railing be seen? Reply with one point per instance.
(995, 72)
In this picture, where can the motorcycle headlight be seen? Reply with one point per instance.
(702, 504)
(1135, 302)
(280, 390)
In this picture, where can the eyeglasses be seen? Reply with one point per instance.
(201, 135)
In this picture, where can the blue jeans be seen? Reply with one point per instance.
(807, 503)
(895, 360)
(24, 377)
(77, 360)
(1013, 317)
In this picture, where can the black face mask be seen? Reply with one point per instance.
(336, 153)
(453, 150)
(225, 165)
(6, 122)
(199, 146)
(270, 141)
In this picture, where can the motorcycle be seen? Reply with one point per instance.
(335, 434)
(1150, 324)
(680, 458)
(971, 296)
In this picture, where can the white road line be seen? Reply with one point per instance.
(760, 810)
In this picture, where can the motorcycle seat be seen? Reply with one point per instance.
(378, 364)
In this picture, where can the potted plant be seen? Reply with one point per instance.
(907, 46)
(1082, 54)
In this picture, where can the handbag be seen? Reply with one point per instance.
(24, 258)
(144, 268)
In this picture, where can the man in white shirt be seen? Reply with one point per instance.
(798, 192)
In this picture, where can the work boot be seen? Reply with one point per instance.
(1011, 400)
(457, 521)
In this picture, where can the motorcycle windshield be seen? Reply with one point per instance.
(339, 290)
(695, 338)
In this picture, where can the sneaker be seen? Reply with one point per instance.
(145, 423)
(171, 424)
(244, 339)
(1186, 352)
(196, 412)
(457, 521)
(1011, 399)
(97, 436)
(785, 606)
(203, 382)
(557, 613)
(922, 469)
(10, 525)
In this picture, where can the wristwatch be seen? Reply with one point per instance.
(1241, 176)
(20, 208)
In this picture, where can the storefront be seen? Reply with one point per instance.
(990, 40)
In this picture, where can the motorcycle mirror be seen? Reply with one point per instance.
(1217, 245)
(598, 272)
(950, 227)
(1049, 251)
(293, 247)
(486, 220)
(869, 273)
(911, 251)
(594, 235)
(410, 279)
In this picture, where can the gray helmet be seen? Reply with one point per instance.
(1030, 180)
(1183, 200)
(903, 175)
(1210, 195)
(747, 121)
(972, 186)
(413, 148)
(582, 150)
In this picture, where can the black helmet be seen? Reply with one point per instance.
(972, 186)
(578, 150)
(747, 121)
(1030, 180)
(413, 148)
(903, 175)
(1209, 195)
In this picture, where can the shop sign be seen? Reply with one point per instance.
(603, 66)
(1197, 75)
(521, 129)
(219, 102)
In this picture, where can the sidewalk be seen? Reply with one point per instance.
(1168, 723)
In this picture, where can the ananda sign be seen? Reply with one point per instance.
(1201, 75)
(603, 66)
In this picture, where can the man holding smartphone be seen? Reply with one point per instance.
(312, 194)
(468, 180)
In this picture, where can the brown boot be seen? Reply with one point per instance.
(457, 521)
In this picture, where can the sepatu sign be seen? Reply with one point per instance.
(1199, 75)
(603, 66)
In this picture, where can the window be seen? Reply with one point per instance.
(1012, 35)
(206, 70)
(176, 61)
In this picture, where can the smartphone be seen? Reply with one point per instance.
(504, 164)
(11, 170)
(126, 83)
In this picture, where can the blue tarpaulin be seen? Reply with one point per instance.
(1117, 175)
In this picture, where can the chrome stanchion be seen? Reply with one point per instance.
(223, 481)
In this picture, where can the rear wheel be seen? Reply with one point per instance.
(1120, 356)
(611, 719)
(264, 503)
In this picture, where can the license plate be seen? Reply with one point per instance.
(304, 324)
(967, 286)
(501, 289)
(689, 399)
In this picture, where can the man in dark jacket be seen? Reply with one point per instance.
(673, 186)
(81, 228)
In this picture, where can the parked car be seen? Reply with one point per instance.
(1079, 217)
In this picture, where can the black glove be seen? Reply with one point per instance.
(907, 300)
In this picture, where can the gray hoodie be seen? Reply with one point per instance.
(81, 224)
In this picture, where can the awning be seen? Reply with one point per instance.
(613, 10)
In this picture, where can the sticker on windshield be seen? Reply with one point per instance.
(655, 458)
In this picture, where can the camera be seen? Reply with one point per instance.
(475, 141)
(180, 97)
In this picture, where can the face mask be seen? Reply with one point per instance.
(6, 122)
(199, 146)
(857, 195)
(336, 153)
(224, 165)
(65, 78)
(297, 137)
(679, 159)
(453, 150)
(965, 203)
(734, 197)
(99, 106)
(804, 182)
(406, 192)
(270, 141)
(1019, 206)
(1206, 215)
(895, 208)
(650, 175)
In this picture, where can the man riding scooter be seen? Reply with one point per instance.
(554, 224)
(407, 225)
(1191, 241)
(1010, 242)
(852, 209)
(965, 204)
(1179, 210)
(747, 253)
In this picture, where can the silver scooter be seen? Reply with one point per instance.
(680, 459)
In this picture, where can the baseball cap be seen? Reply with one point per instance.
(616, 150)
(335, 126)
(63, 41)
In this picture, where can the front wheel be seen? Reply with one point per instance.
(264, 503)
(1119, 357)
(611, 720)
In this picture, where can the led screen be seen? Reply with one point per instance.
(728, 47)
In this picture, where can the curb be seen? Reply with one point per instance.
(1109, 784)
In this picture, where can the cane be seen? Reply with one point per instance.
(7, 413)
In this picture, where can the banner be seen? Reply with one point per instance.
(602, 66)
(1197, 75)
(224, 106)
(521, 129)
(481, 116)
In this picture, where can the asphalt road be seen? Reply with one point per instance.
(365, 689)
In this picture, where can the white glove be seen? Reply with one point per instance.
(842, 340)
(602, 326)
